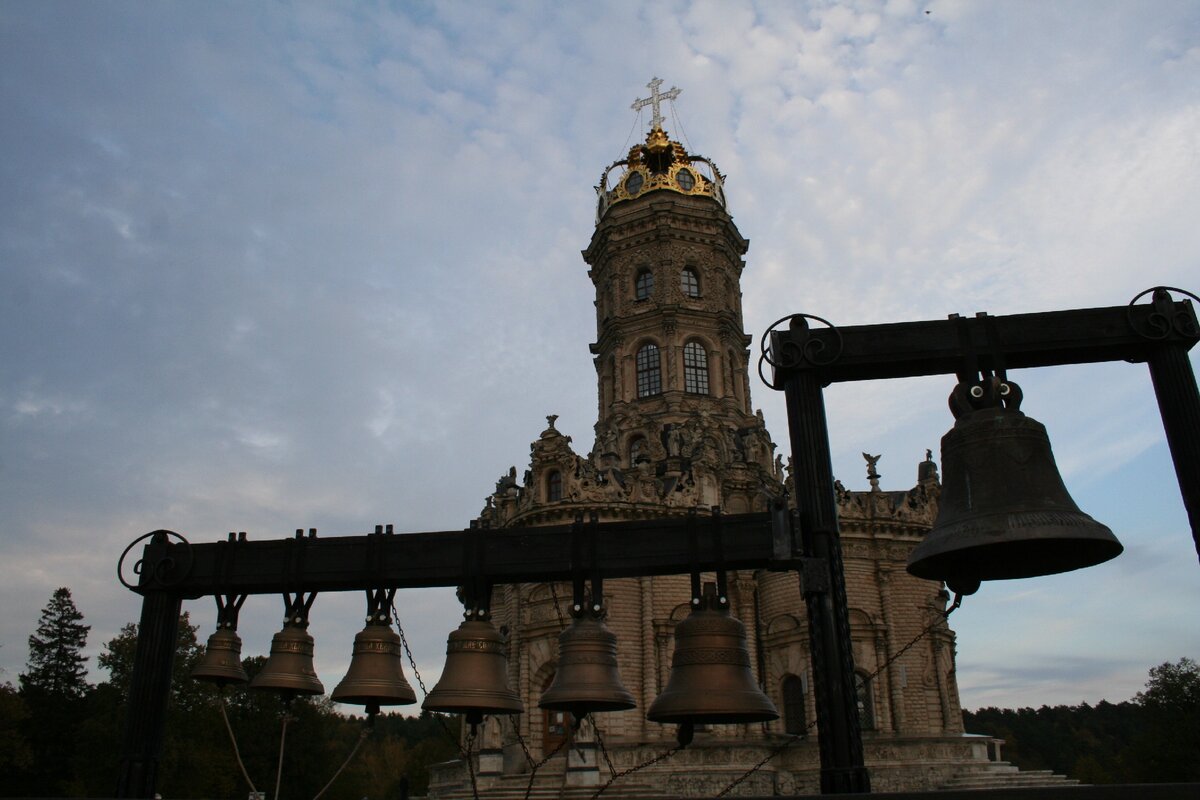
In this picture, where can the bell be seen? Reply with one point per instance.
(289, 668)
(711, 681)
(587, 680)
(376, 675)
(1004, 511)
(222, 660)
(475, 679)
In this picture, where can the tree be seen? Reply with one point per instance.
(54, 691)
(1168, 748)
(56, 666)
(14, 750)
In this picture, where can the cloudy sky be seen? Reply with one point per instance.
(273, 266)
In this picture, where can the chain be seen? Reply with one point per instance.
(649, 762)
(603, 750)
(937, 622)
(412, 662)
(795, 737)
(533, 766)
(470, 742)
(562, 623)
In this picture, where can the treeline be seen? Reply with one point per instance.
(61, 736)
(1154, 738)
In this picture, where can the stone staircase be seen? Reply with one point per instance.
(1003, 775)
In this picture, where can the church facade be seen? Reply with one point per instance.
(676, 431)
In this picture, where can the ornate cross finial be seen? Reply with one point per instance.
(655, 100)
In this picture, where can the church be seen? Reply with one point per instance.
(677, 432)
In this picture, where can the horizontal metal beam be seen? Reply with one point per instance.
(443, 558)
(951, 346)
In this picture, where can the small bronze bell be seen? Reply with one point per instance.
(587, 680)
(376, 675)
(1004, 511)
(289, 668)
(222, 660)
(475, 679)
(711, 681)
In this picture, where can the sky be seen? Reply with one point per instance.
(269, 266)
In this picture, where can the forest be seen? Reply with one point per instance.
(60, 735)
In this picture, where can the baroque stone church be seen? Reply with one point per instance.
(677, 431)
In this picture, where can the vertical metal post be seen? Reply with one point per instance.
(823, 584)
(1179, 406)
(149, 692)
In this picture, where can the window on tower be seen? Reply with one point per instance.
(689, 282)
(649, 371)
(866, 702)
(643, 287)
(794, 721)
(695, 368)
(554, 486)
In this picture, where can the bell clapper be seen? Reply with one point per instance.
(684, 733)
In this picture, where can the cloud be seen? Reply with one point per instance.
(268, 268)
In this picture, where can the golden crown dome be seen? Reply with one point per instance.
(661, 164)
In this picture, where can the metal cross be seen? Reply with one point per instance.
(654, 100)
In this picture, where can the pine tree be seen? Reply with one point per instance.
(56, 666)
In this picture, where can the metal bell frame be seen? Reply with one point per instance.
(1158, 334)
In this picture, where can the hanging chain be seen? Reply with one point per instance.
(412, 662)
(533, 766)
(937, 622)
(649, 762)
(470, 742)
(562, 622)
(603, 750)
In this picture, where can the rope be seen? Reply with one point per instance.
(362, 737)
(282, 738)
(233, 740)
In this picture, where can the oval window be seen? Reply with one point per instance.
(633, 184)
(685, 179)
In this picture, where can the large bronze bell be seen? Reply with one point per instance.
(376, 674)
(289, 668)
(222, 660)
(587, 680)
(475, 679)
(1004, 511)
(711, 681)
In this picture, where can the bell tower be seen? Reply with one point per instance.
(676, 433)
(671, 353)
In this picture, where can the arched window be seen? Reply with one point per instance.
(643, 286)
(689, 282)
(866, 702)
(554, 486)
(794, 721)
(695, 368)
(649, 371)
